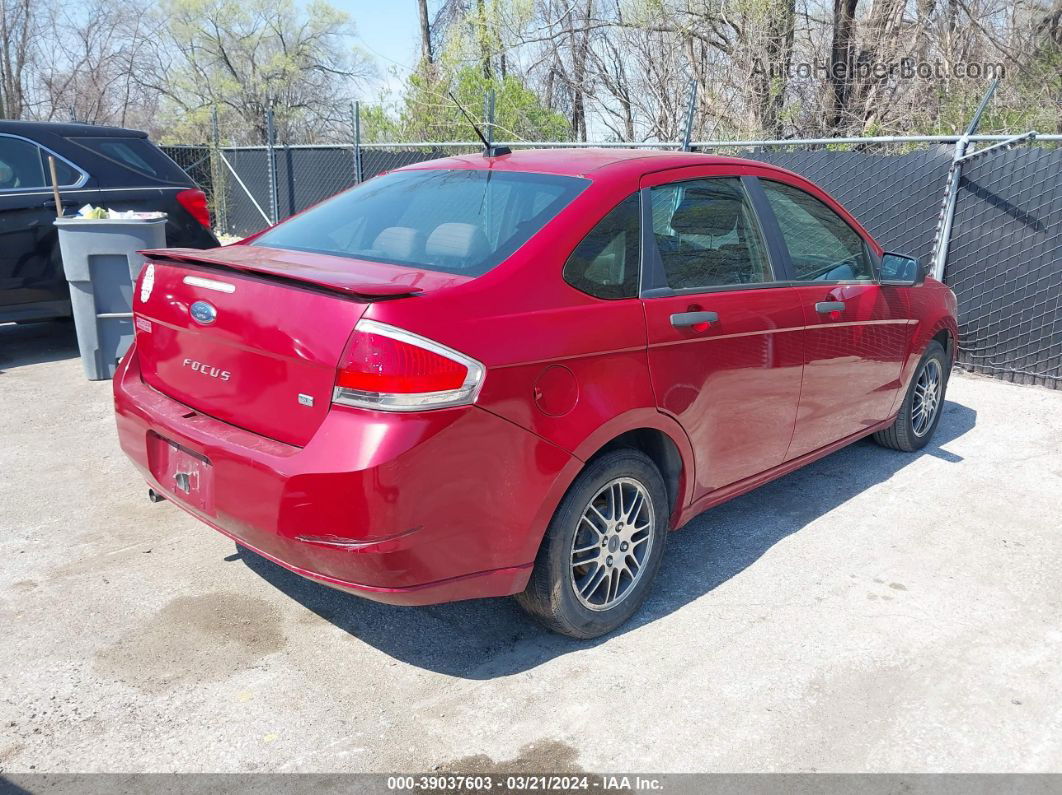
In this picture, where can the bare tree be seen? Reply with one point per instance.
(93, 66)
(18, 32)
(841, 65)
(613, 68)
(425, 33)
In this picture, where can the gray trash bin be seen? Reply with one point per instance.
(101, 265)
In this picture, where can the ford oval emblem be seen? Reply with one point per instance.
(203, 313)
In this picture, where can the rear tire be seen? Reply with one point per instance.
(922, 405)
(602, 548)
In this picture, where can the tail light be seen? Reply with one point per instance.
(195, 202)
(390, 369)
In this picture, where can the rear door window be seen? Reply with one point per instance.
(24, 166)
(66, 173)
(21, 166)
(461, 221)
(707, 235)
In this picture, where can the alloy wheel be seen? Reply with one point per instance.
(927, 393)
(612, 544)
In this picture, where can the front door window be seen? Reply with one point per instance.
(822, 246)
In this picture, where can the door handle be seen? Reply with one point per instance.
(686, 319)
(825, 307)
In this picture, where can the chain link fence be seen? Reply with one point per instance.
(1005, 264)
(251, 187)
(1002, 253)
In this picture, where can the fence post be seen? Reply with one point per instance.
(289, 166)
(271, 167)
(690, 109)
(217, 174)
(951, 194)
(355, 118)
(488, 116)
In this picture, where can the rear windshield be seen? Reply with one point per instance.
(464, 221)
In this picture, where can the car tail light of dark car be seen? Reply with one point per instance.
(390, 369)
(195, 202)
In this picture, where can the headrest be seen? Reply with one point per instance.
(842, 273)
(703, 213)
(399, 242)
(460, 241)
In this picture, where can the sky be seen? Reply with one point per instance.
(388, 31)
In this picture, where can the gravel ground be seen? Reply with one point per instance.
(876, 611)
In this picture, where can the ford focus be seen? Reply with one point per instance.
(514, 375)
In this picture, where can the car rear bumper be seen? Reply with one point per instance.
(400, 508)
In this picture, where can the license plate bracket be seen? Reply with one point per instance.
(184, 473)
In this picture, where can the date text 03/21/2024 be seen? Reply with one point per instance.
(523, 783)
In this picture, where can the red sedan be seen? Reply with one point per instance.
(484, 376)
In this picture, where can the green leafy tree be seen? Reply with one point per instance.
(247, 56)
(429, 114)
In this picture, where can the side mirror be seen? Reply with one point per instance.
(901, 270)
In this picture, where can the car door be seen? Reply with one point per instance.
(30, 267)
(857, 330)
(724, 332)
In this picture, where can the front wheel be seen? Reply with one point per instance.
(602, 548)
(922, 405)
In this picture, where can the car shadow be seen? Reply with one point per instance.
(35, 343)
(488, 638)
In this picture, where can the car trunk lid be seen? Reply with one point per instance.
(253, 336)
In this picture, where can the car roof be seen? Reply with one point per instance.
(582, 162)
(602, 162)
(66, 129)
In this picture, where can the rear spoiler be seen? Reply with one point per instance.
(329, 280)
